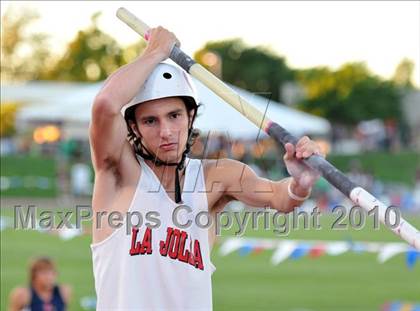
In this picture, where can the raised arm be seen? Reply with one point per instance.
(108, 129)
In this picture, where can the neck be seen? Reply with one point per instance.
(165, 173)
(41, 289)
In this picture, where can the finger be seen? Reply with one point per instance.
(302, 141)
(308, 149)
(153, 32)
(302, 147)
(298, 154)
(302, 150)
(290, 150)
(307, 153)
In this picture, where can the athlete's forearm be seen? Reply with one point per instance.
(282, 201)
(124, 83)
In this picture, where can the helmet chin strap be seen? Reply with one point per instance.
(179, 166)
(159, 162)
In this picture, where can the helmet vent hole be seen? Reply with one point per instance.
(167, 75)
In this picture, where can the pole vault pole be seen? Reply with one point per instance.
(355, 193)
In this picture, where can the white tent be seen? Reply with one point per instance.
(73, 103)
(38, 92)
(219, 116)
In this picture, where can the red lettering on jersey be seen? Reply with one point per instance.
(174, 244)
(141, 248)
(198, 260)
(146, 244)
(133, 249)
(183, 256)
(164, 245)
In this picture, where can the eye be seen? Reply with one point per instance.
(149, 121)
(175, 115)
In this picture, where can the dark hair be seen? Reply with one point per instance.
(190, 104)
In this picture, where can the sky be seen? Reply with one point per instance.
(307, 34)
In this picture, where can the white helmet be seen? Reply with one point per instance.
(165, 81)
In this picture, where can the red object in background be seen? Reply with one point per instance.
(322, 202)
(258, 250)
(317, 251)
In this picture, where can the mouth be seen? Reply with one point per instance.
(168, 146)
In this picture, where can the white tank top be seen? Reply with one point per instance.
(140, 271)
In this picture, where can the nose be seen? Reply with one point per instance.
(166, 132)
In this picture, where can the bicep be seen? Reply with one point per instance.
(243, 184)
(107, 134)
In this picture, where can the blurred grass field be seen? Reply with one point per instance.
(351, 281)
(25, 168)
(388, 167)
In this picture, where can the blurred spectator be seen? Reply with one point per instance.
(373, 135)
(7, 146)
(43, 293)
(81, 179)
(360, 176)
(416, 193)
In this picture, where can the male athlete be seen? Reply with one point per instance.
(166, 267)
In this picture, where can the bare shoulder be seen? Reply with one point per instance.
(219, 166)
(224, 168)
(21, 293)
(20, 296)
(231, 175)
(219, 175)
(66, 292)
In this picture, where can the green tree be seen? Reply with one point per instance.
(8, 117)
(256, 69)
(349, 94)
(91, 56)
(23, 53)
(403, 75)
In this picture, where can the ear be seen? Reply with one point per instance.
(190, 117)
(134, 128)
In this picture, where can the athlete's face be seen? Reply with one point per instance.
(45, 278)
(163, 126)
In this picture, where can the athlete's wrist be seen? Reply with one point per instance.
(297, 192)
(153, 56)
